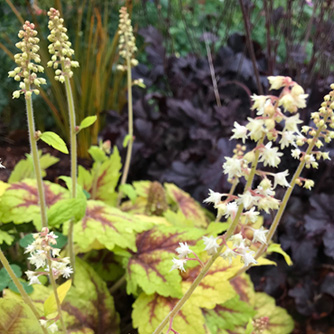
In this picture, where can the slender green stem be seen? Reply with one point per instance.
(73, 143)
(213, 258)
(117, 285)
(130, 125)
(19, 286)
(35, 157)
(54, 287)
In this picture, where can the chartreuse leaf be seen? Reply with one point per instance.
(5, 237)
(128, 190)
(229, 315)
(189, 207)
(16, 317)
(103, 177)
(88, 307)
(278, 249)
(150, 310)
(105, 227)
(86, 122)
(19, 204)
(50, 305)
(126, 140)
(3, 187)
(97, 154)
(24, 169)
(279, 321)
(245, 289)
(150, 267)
(54, 140)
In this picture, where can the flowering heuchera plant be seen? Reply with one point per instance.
(276, 127)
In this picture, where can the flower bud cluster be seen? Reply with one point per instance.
(42, 251)
(28, 63)
(127, 41)
(60, 47)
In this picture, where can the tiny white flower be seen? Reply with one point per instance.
(288, 138)
(308, 184)
(232, 167)
(178, 264)
(34, 280)
(255, 126)
(268, 203)
(259, 101)
(296, 153)
(259, 235)
(240, 132)
(291, 123)
(43, 322)
(231, 209)
(270, 155)
(229, 254)
(238, 240)
(211, 244)
(248, 258)
(67, 272)
(247, 199)
(251, 215)
(280, 178)
(53, 328)
(277, 82)
(183, 250)
(214, 197)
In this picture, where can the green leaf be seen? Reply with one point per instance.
(5, 279)
(54, 140)
(278, 249)
(16, 317)
(150, 310)
(19, 204)
(97, 154)
(27, 288)
(50, 305)
(5, 237)
(66, 209)
(126, 140)
(189, 207)
(27, 240)
(129, 191)
(229, 315)
(24, 169)
(86, 122)
(150, 267)
(279, 321)
(104, 178)
(216, 228)
(106, 227)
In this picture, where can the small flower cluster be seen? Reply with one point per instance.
(60, 47)
(42, 252)
(127, 41)
(53, 328)
(27, 62)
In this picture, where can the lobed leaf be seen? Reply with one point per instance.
(106, 227)
(189, 207)
(17, 318)
(20, 204)
(150, 310)
(149, 268)
(5, 237)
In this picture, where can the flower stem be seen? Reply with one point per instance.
(73, 143)
(213, 258)
(54, 287)
(130, 124)
(35, 158)
(19, 286)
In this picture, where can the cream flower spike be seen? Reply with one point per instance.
(28, 63)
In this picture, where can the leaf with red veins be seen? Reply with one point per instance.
(244, 287)
(188, 206)
(215, 287)
(104, 226)
(150, 267)
(150, 310)
(19, 204)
